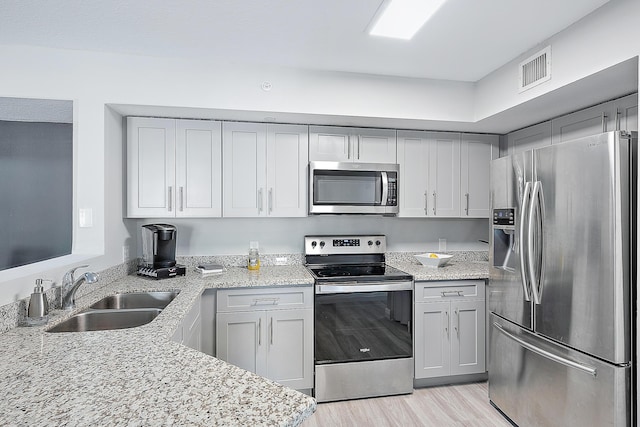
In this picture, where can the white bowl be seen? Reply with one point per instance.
(434, 260)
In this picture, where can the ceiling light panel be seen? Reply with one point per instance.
(401, 19)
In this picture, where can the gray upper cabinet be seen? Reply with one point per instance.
(265, 169)
(476, 153)
(429, 174)
(618, 114)
(590, 121)
(345, 144)
(626, 113)
(173, 168)
(535, 136)
(444, 174)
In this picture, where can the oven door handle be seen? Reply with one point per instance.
(352, 287)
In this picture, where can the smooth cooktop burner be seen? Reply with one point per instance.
(362, 272)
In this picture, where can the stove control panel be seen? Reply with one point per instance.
(335, 245)
(346, 242)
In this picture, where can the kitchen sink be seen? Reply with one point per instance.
(119, 311)
(100, 320)
(136, 300)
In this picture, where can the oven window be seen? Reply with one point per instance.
(363, 326)
(347, 188)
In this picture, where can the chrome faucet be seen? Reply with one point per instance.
(70, 286)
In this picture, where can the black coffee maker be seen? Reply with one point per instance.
(159, 252)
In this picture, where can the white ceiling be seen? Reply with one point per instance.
(464, 41)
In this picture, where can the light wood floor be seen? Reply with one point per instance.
(454, 405)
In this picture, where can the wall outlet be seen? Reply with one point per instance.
(125, 253)
(281, 260)
(85, 218)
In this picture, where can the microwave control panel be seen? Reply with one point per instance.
(503, 216)
(392, 195)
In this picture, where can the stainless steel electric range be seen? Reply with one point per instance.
(363, 312)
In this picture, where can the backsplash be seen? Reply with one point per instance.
(241, 260)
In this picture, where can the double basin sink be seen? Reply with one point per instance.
(119, 311)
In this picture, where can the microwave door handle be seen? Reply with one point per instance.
(385, 188)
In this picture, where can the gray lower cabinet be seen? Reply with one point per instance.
(449, 327)
(189, 332)
(268, 332)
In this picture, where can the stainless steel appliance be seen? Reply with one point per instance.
(353, 188)
(363, 331)
(159, 252)
(562, 283)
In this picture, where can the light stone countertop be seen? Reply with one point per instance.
(453, 270)
(139, 376)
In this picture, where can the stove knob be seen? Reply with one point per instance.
(377, 242)
(321, 243)
(370, 243)
(313, 244)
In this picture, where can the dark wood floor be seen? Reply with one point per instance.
(458, 405)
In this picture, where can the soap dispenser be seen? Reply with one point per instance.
(38, 311)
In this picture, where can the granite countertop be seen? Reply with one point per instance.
(455, 269)
(139, 376)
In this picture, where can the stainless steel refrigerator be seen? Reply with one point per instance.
(562, 283)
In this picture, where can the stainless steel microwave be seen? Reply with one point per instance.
(353, 188)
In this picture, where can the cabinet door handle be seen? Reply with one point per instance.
(265, 301)
(270, 200)
(452, 293)
(435, 198)
(426, 204)
(467, 208)
(170, 197)
(271, 330)
(259, 200)
(259, 332)
(457, 323)
(181, 199)
(446, 324)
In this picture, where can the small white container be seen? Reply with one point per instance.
(434, 260)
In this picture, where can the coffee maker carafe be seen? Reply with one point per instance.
(159, 251)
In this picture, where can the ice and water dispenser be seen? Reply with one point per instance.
(504, 239)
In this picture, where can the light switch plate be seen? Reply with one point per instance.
(85, 218)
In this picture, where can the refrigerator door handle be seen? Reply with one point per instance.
(546, 354)
(521, 238)
(535, 242)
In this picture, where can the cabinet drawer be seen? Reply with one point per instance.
(264, 299)
(430, 291)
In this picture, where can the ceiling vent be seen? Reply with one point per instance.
(535, 70)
